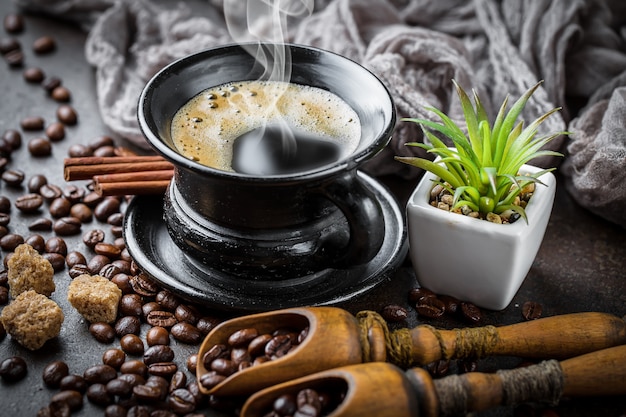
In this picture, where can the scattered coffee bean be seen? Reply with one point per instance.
(44, 45)
(416, 294)
(96, 263)
(29, 203)
(5, 204)
(40, 146)
(36, 182)
(430, 307)
(67, 115)
(50, 83)
(73, 399)
(144, 286)
(74, 383)
(4, 299)
(14, 58)
(181, 401)
(98, 394)
(206, 324)
(107, 249)
(50, 191)
(77, 270)
(56, 260)
(13, 23)
(92, 237)
(13, 369)
(167, 300)
(531, 310)
(134, 366)
(102, 332)
(132, 344)
(5, 219)
(74, 257)
(163, 369)
(106, 207)
(55, 131)
(13, 177)
(157, 336)
(56, 245)
(67, 226)
(33, 75)
(37, 242)
(119, 387)
(61, 94)
(99, 374)
(54, 372)
(82, 212)
(40, 225)
(8, 45)
(32, 123)
(11, 241)
(158, 353)
(186, 333)
(13, 138)
(127, 325)
(471, 312)
(105, 151)
(451, 303)
(394, 313)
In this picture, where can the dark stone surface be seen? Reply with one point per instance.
(581, 265)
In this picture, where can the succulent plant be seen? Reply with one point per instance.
(482, 170)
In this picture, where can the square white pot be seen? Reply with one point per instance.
(472, 259)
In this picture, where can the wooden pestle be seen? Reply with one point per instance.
(337, 338)
(384, 390)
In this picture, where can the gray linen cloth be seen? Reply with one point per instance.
(416, 47)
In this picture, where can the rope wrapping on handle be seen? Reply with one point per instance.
(541, 383)
(398, 343)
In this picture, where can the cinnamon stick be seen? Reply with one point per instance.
(134, 176)
(87, 171)
(131, 188)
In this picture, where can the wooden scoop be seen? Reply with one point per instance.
(337, 338)
(383, 390)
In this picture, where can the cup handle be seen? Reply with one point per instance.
(364, 215)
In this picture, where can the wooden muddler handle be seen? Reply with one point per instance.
(594, 374)
(555, 337)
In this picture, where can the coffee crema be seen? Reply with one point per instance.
(322, 127)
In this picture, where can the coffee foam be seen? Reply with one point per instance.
(205, 128)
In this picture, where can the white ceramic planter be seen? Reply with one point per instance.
(471, 259)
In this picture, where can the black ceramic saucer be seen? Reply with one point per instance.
(150, 245)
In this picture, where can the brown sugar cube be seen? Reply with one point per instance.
(95, 297)
(28, 270)
(32, 319)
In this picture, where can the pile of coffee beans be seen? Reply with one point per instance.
(245, 348)
(308, 402)
(432, 306)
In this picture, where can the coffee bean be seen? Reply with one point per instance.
(278, 347)
(36, 182)
(531, 310)
(132, 344)
(257, 345)
(101, 141)
(157, 336)
(54, 372)
(74, 193)
(11, 241)
(127, 325)
(178, 380)
(32, 123)
(15, 58)
(192, 363)
(394, 313)
(107, 249)
(13, 177)
(5, 219)
(55, 131)
(29, 203)
(430, 307)
(215, 352)
(187, 313)
(147, 393)
(144, 286)
(13, 369)
(72, 398)
(8, 45)
(92, 199)
(98, 394)
(104, 151)
(50, 191)
(61, 94)
(33, 75)
(67, 226)
(74, 257)
(40, 225)
(134, 366)
(56, 245)
(113, 357)
(13, 23)
(99, 374)
(163, 369)
(82, 212)
(115, 219)
(167, 300)
(79, 150)
(67, 115)
(186, 333)
(123, 283)
(78, 270)
(242, 337)
(4, 299)
(37, 242)
(56, 260)
(13, 138)
(206, 324)
(416, 294)
(44, 45)
(102, 332)
(5, 204)
(92, 237)
(106, 207)
(96, 263)
(50, 83)
(40, 146)
(119, 387)
(451, 303)
(181, 401)
(211, 379)
(73, 382)
(309, 397)
(158, 353)
(224, 366)
(285, 405)
(130, 305)
(471, 312)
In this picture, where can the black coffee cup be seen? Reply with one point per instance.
(280, 226)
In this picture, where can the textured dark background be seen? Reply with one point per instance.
(581, 265)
